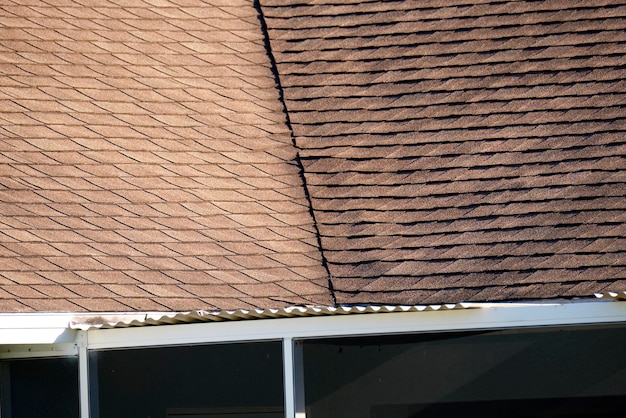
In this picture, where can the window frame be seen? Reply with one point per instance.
(26, 337)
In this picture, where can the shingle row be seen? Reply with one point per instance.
(145, 162)
(460, 150)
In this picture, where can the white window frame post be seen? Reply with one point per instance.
(289, 378)
(298, 358)
(83, 373)
(293, 371)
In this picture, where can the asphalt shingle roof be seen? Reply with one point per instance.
(145, 162)
(460, 150)
(160, 155)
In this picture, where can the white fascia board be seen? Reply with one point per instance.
(488, 316)
(36, 328)
(36, 335)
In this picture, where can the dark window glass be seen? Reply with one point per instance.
(235, 380)
(546, 372)
(41, 388)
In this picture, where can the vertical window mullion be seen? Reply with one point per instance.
(298, 365)
(289, 378)
(293, 367)
(83, 374)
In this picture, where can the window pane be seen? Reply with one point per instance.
(243, 380)
(523, 373)
(41, 388)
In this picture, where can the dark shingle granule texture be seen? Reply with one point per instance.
(460, 150)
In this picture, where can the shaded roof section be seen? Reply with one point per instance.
(145, 162)
(460, 150)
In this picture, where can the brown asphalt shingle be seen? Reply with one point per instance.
(460, 150)
(145, 162)
(467, 150)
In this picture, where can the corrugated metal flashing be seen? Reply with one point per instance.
(612, 295)
(122, 320)
(159, 318)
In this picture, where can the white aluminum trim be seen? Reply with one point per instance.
(34, 320)
(489, 317)
(289, 378)
(119, 320)
(37, 336)
(36, 328)
(83, 374)
(14, 351)
(298, 367)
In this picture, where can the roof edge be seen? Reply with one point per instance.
(122, 320)
(109, 321)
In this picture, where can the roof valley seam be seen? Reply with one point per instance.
(298, 160)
